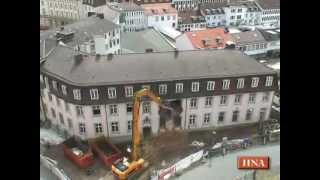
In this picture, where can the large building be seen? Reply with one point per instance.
(90, 96)
(191, 20)
(91, 35)
(161, 15)
(270, 12)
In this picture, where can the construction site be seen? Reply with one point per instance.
(144, 155)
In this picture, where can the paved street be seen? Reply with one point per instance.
(46, 174)
(225, 168)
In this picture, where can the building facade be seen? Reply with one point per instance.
(270, 12)
(44, 8)
(64, 9)
(181, 5)
(191, 21)
(161, 15)
(215, 94)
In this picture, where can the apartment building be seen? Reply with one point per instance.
(88, 96)
(161, 15)
(270, 12)
(191, 20)
(92, 35)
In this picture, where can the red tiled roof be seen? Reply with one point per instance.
(158, 9)
(207, 39)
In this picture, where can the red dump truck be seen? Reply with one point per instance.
(106, 151)
(79, 152)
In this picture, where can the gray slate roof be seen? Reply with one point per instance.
(138, 42)
(150, 67)
(84, 29)
(275, 36)
(247, 37)
(269, 4)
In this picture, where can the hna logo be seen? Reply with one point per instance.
(253, 162)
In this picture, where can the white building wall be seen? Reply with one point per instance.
(181, 5)
(215, 20)
(105, 118)
(102, 44)
(192, 26)
(271, 17)
(151, 20)
(229, 14)
(44, 7)
(134, 20)
(64, 9)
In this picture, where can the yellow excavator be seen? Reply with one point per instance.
(124, 169)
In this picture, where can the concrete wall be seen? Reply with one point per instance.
(151, 20)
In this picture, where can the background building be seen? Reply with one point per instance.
(191, 21)
(182, 5)
(89, 96)
(161, 15)
(270, 12)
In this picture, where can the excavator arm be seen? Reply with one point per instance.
(136, 134)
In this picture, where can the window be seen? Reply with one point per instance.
(96, 110)
(129, 91)
(193, 103)
(249, 114)
(64, 89)
(77, 94)
(129, 108)
(94, 94)
(206, 118)
(112, 93)
(41, 78)
(239, 17)
(235, 116)
(46, 81)
(82, 128)
(210, 85)
(232, 17)
(67, 107)
(53, 113)
(269, 80)
(58, 101)
(208, 101)
(179, 88)
(129, 125)
(240, 83)
(262, 114)
(239, 10)
(223, 100)
(195, 86)
(50, 97)
(237, 99)
(252, 98)
(162, 18)
(265, 97)
(113, 109)
(221, 116)
(233, 10)
(255, 82)
(146, 107)
(162, 89)
(69, 123)
(115, 127)
(61, 118)
(168, 18)
(192, 119)
(98, 127)
(225, 84)
(79, 111)
(54, 85)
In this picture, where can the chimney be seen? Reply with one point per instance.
(149, 50)
(100, 15)
(110, 56)
(176, 53)
(78, 57)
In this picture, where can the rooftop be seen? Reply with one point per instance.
(158, 9)
(126, 6)
(169, 31)
(269, 4)
(94, 3)
(149, 67)
(271, 34)
(148, 39)
(212, 8)
(83, 30)
(190, 16)
(247, 37)
(209, 38)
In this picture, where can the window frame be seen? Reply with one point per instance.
(210, 85)
(240, 83)
(96, 108)
(115, 125)
(64, 89)
(193, 101)
(206, 104)
(82, 128)
(77, 94)
(223, 116)
(163, 88)
(113, 109)
(225, 84)
(239, 97)
(128, 91)
(269, 81)
(225, 100)
(195, 86)
(94, 94)
(112, 93)
(98, 128)
(179, 88)
(255, 82)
